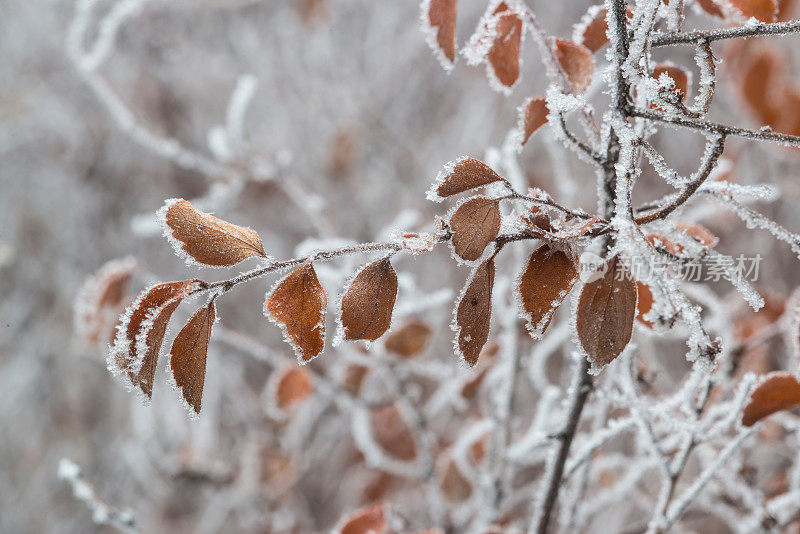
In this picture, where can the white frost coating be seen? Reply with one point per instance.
(87, 300)
(753, 219)
(240, 99)
(431, 194)
(454, 322)
(431, 37)
(361, 428)
(414, 243)
(742, 192)
(461, 448)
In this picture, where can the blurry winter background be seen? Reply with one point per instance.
(303, 119)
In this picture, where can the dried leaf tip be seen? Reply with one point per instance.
(459, 176)
(297, 304)
(438, 20)
(368, 302)
(204, 239)
(605, 313)
(577, 63)
(777, 391)
(188, 356)
(532, 116)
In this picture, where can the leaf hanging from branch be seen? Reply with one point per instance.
(410, 339)
(459, 176)
(474, 312)
(504, 55)
(779, 391)
(439, 23)
(139, 334)
(577, 63)
(605, 313)
(532, 116)
(592, 30)
(544, 284)
(289, 386)
(102, 295)
(391, 432)
(368, 302)
(206, 239)
(297, 304)
(188, 355)
(475, 224)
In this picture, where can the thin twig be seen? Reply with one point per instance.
(777, 28)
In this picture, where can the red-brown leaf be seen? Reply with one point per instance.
(592, 31)
(462, 175)
(152, 338)
(779, 391)
(291, 385)
(533, 115)
(474, 313)
(125, 351)
(474, 224)
(644, 303)
(763, 10)
(207, 239)
(188, 355)
(369, 300)
(104, 292)
(544, 284)
(441, 16)
(577, 63)
(605, 315)
(504, 55)
(297, 304)
(392, 433)
(410, 339)
(711, 7)
(370, 520)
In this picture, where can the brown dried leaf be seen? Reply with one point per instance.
(102, 294)
(369, 520)
(474, 313)
(762, 81)
(152, 338)
(778, 391)
(188, 355)
(763, 10)
(710, 7)
(207, 239)
(369, 300)
(592, 31)
(454, 485)
(697, 232)
(661, 241)
(504, 55)
(577, 63)
(532, 116)
(125, 352)
(644, 303)
(544, 284)
(462, 175)
(410, 339)
(392, 433)
(291, 385)
(441, 16)
(297, 304)
(605, 313)
(475, 224)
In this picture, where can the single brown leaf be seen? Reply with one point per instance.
(369, 300)
(102, 294)
(441, 15)
(126, 354)
(593, 28)
(504, 55)
(544, 284)
(533, 115)
(711, 7)
(697, 232)
(761, 83)
(290, 386)
(410, 339)
(475, 224)
(778, 391)
(207, 239)
(538, 219)
(369, 520)
(188, 355)
(297, 304)
(763, 10)
(606, 309)
(462, 175)
(659, 240)
(392, 433)
(454, 485)
(644, 303)
(474, 312)
(151, 337)
(577, 63)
